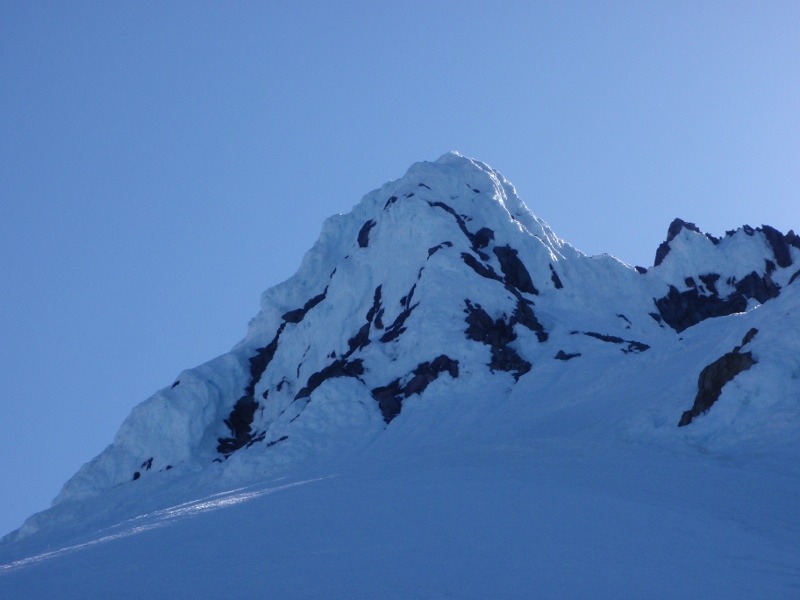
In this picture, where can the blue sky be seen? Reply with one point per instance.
(163, 163)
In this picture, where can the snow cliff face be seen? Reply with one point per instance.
(438, 291)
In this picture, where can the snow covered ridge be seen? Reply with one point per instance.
(711, 277)
(440, 292)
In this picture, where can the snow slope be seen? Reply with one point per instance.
(448, 401)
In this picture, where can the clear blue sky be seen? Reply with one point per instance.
(163, 163)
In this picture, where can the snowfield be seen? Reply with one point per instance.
(449, 402)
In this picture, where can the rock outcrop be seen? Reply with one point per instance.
(714, 377)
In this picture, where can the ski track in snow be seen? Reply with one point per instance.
(161, 518)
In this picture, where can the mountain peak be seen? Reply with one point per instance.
(440, 292)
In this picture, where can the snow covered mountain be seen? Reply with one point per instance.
(441, 326)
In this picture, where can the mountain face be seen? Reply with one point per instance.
(441, 306)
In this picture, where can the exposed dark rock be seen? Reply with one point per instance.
(561, 355)
(260, 438)
(640, 270)
(481, 269)
(482, 237)
(148, 464)
(760, 288)
(426, 373)
(390, 397)
(635, 347)
(523, 314)
(255, 439)
(363, 235)
(410, 195)
(297, 315)
(340, 368)
(294, 316)
(390, 201)
(358, 341)
(497, 334)
(423, 185)
(674, 229)
(283, 438)
(748, 337)
(681, 310)
(714, 377)
(514, 270)
(505, 358)
(689, 282)
(710, 281)
(626, 319)
(136, 475)
(435, 249)
(374, 316)
(632, 345)
(478, 240)
(376, 312)
(260, 362)
(405, 301)
(482, 328)
(239, 423)
(555, 278)
(793, 277)
(176, 384)
(656, 317)
(452, 211)
(397, 328)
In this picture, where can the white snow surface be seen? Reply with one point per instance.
(572, 482)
